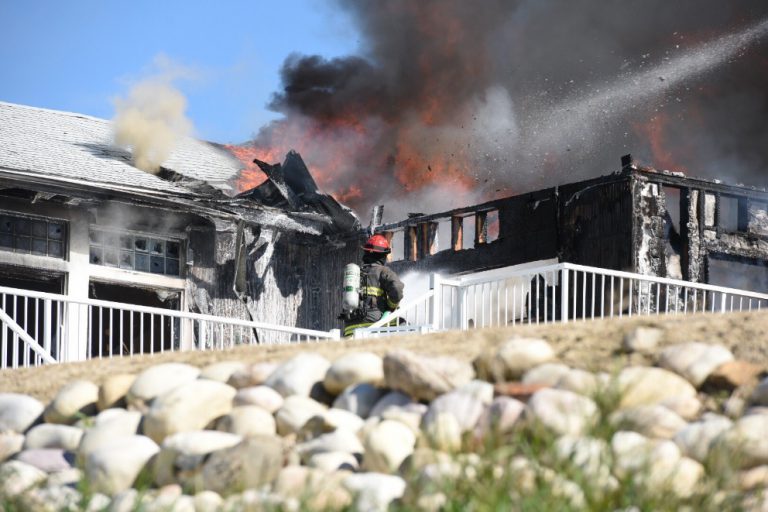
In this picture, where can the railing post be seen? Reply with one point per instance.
(47, 318)
(462, 307)
(722, 302)
(564, 293)
(335, 334)
(436, 285)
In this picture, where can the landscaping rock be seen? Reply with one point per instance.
(563, 412)
(298, 375)
(107, 429)
(157, 380)
(295, 412)
(745, 444)
(387, 445)
(53, 436)
(547, 374)
(263, 396)
(208, 501)
(694, 361)
(391, 399)
(114, 389)
(253, 375)
(409, 415)
(190, 406)
(76, 399)
(49, 460)
(443, 432)
(222, 371)
(334, 461)
(513, 358)
(248, 465)
(581, 382)
(733, 374)
(653, 421)
(687, 407)
(354, 368)
(499, 417)
(114, 468)
(248, 420)
(11, 443)
(18, 412)
(642, 339)
(181, 455)
(359, 399)
(50, 499)
(424, 377)
(517, 390)
(760, 394)
(695, 439)
(481, 390)
(374, 492)
(17, 476)
(466, 408)
(341, 440)
(641, 385)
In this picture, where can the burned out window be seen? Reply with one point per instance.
(135, 251)
(32, 235)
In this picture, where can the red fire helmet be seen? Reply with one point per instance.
(377, 243)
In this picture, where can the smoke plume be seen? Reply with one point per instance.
(452, 101)
(151, 119)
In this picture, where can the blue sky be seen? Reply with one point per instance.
(79, 55)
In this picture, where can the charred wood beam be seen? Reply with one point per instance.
(411, 243)
(481, 228)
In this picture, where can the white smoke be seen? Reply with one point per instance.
(151, 119)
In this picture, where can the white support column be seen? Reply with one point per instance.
(564, 292)
(77, 327)
(436, 285)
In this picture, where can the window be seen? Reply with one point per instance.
(133, 251)
(32, 235)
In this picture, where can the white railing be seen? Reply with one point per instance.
(42, 327)
(411, 317)
(563, 292)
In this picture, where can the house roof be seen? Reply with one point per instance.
(75, 148)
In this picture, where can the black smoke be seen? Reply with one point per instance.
(501, 88)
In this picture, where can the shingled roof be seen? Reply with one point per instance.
(75, 148)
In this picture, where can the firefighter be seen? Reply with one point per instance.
(380, 289)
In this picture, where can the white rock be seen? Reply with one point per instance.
(641, 385)
(248, 420)
(159, 379)
(359, 399)
(208, 501)
(181, 455)
(374, 491)
(114, 390)
(334, 461)
(581, 382)
(251, 464)
(443, 432)
(18, 412)
(50, 460)
(353, 368)
(263, 396)
(547, 374)
(190, 406)
(114, 468)
(409, 415)
(98, 503)
(500, 417)
(72, 401)
(70, 476)
(53, 436)
(11, 443)
(745, 444)
(391, 399)
(642, 339)
(108, 428)
(425, 377)
(299, 374)
(517, 356)
(387, 445)
(694, 361)
(338, 418)
(222, 370)
(51, 499)
(650, 420)
(126, 501)
(16, 477)
(295, 412)
(687, 408)
(170, 503)
(481, 390)
(253, 375)
(464, 407)
(340, 440)
(563, 412)
(591, 456)
(696, 439)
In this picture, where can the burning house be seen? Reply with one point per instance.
(78, 218)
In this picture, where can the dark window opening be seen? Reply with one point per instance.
(32, 235)
(736, 272)
(115, 332)
(135, 252)
(733, 215)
